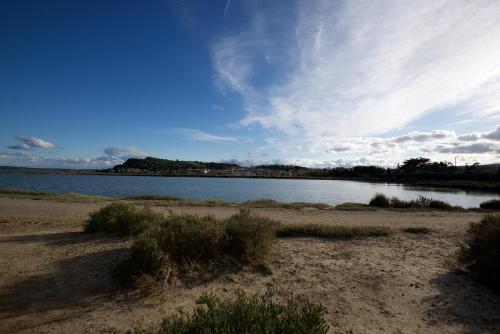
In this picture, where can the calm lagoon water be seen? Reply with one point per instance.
(234, 189)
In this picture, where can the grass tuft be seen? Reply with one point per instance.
(247, 314)
(152, 198)
(352, 206)
(380, 201)
(269, 203)
(417, 230)
(331, 231)
(481, 251)
(122, 219)
(40, 195)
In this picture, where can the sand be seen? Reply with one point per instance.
(55, 279)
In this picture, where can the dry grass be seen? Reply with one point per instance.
(38, 195)
(331, 231)
(269, 203)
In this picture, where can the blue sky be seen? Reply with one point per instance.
(86, 84)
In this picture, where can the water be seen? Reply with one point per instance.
(234, 189)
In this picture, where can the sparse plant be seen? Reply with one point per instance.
(331, 231)
(481, 251)
(417, 230)
(248, 314)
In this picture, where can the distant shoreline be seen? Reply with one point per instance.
(466, 185)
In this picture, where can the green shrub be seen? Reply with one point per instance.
(249, 238)
(331, 231)
(400, 204)
(269, 203)
(152, 198)
(420, 203)
(249, 315)
(441, 205)
(380, 200)
(189, 238)
(417, 230)
(120, 218)
(182, 240)
(481, 252)
(492, 204)
(353, 206)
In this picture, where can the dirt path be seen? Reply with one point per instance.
(54, 279)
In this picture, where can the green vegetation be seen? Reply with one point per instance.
(381, 201)
(481, 251)
(492, 204)
(269, 203)
(249, 238)
(247, 314)
(181, 241)
(151, 165)
(152, 198)
(421, 203)
(122, 219)
(352, 206)
(38, 195)
(331, 231)
(417, 230)
(175, 201)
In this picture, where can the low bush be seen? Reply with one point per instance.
(247, 314)
(270, 203)
(248, 237)
(441, 205)
(183, 240)
(122, 219)
(481, 251)
(421, 202)
(353, 206)
(417, 230)
(492, 204)
(331, 231)
(152, 198)
(380, 200)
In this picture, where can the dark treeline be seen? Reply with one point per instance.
(169, 166)
(417, 171)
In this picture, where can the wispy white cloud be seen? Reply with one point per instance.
(366, 68)
(198, 135)
(28, 143)
(228, 3)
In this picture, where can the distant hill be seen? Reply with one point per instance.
(165, 166)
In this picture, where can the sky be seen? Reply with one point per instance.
(317, 83)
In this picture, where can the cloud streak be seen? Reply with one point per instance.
(28, 143)
(364, 69)
(198, 135)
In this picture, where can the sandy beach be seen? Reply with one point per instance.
(55, 279)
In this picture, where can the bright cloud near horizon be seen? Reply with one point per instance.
(315, 83)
